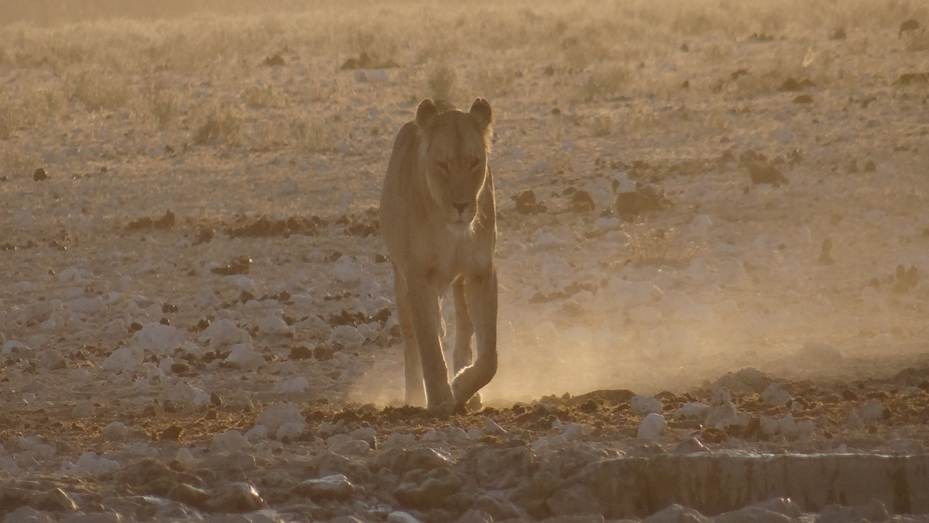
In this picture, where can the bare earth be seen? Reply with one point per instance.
(713, 245)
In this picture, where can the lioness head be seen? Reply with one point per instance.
(453, 155)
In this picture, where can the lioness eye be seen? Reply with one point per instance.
(475, 162)
(443, 166)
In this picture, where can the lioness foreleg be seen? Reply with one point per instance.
(424, 301)
(412, 368)
(481, 298)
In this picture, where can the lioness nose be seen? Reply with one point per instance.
(460, 206)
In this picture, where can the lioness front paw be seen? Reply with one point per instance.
(474, 404)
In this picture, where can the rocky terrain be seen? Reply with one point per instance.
(712, 256)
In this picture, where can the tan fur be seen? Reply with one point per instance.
(439, 224)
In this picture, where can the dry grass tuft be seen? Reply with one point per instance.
(605, 83)
(99, 90)
(441, 82)
(220, 125)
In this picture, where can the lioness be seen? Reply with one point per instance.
(439, 224)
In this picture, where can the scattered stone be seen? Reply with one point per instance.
(283, 420)
(165, 222)
(744, 381)
(645, 404)
(690, 446)
(229, 441)
(224, 332)
(366, 61)
(295, 385)
(693, 409)
(40, 175)
(115, 431)
(677, 514)
(775, 395)
(792, 85)
(526, 203)
(335, 486)
(803, 99)
(907, 26)
(238, 265)
(725, 415)
(427, 489)
(346, 336)
(871, 411)
(274, 60)
(242, 356)
(189, 494)
(906, 79)
(401, 517)
(582, 202)
(644, 199)
(838, 34)
(237, 497)
(652, 427)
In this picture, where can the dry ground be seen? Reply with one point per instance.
(685, 189)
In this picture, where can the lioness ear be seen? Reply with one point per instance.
(480, 110)
(426, 112)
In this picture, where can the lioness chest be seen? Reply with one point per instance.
(459, 254)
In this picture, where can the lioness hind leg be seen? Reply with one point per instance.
(412, 368)
(481, 298)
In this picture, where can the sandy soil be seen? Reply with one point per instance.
(196, 314)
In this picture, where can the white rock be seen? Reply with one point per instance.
(185, 457)
(242, 356)
(184, 393)
(35, 446)
(347, 271)
(371, 75)
(676, 514)
(347, 445)
(776, 395)
(788, 426)
(346, 336)
(229, 441)
(15, 347)
(652, 427)
(86, 306)
(399, 439)
(645, 404)
(243, 283)
(296, 385)
(224, 332)
(274, 326)
(256, 433)
(366, 434)
(693, 409)
(290, 431)
(73, 275)
(726, 415)
(401, 517)
(124, 359)
(90, 464)
(28, 515)
(315, 327)
(159, 339)
(284, 420)
(115, 431)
